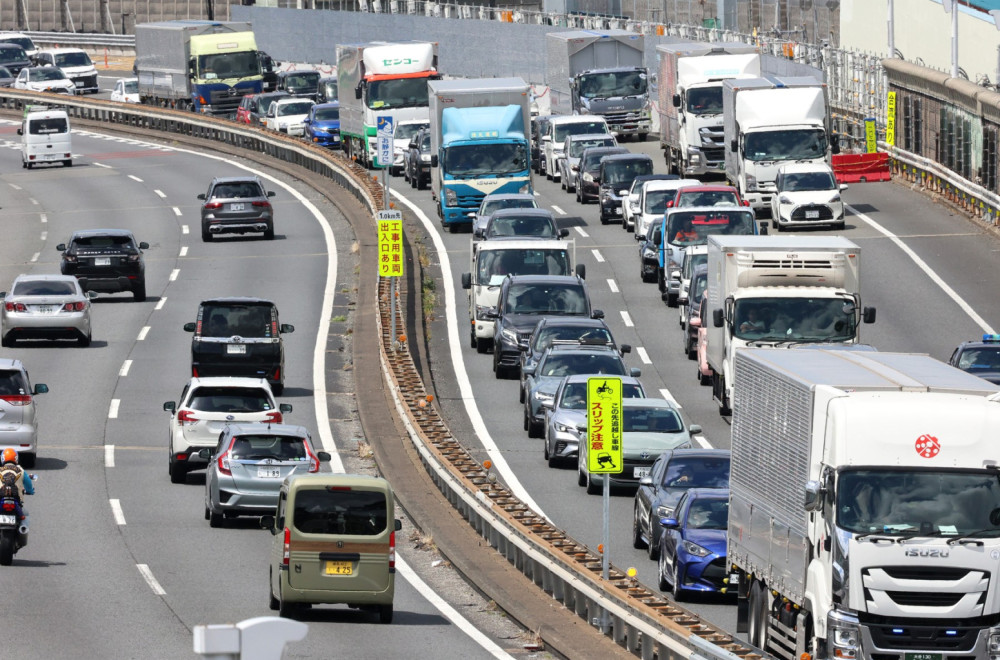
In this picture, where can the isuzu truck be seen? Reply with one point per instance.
(864, 515)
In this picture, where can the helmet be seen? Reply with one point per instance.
(9, 455)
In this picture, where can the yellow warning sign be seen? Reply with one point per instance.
(871, 144)
(890, 120)
(390, 243)
(604, 425)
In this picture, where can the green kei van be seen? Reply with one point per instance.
(334, 542)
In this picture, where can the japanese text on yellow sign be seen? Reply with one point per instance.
(604, 425)
(890, 120)
(390, 248)
(871, 145)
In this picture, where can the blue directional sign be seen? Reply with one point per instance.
(383, 130)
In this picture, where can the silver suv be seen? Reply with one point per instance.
(18, 420)
(236, 205)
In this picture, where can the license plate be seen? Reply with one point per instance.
(236, 349)
(8, 520)
(812, 215)
(79, 83)
(268, 472)
(922, 656)
(102, 261)
(339, 568)
(618, 211)
(236, 207)
(44, 309)
(640, 472)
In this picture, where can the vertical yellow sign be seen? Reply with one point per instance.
(604, 425)
(890, 120)
(390, 243)
(871, 143)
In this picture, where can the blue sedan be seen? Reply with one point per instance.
(693, 543)
(323, 125)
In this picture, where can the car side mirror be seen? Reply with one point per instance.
(669, 523)
(61, 247)
(657, 240)
(492, 314)
(143, 245)
(546, 138)
(270, 193)
(597, 314)
(20, 132)
(41, 388)
(304, 121)
(528, 370)
(694, 428)
(201, 196)
(466, 280)
(813, 496)
(868, 315)
(718, 318)
(581, 271)
(397, 524)
(189, 327)
(646, 481)
(170, 406)
(323, 456)
(843, 187)
(287, 327)
(413, 145)
(624, 348)
(91, 294)
(563, 233)
(206, 453)
(478, 232)
(267, 522)
(635, 372)
(285, 407)
(523, 346)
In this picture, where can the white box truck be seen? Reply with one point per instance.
(770, 122)
(864, 515)
(690, 89)
(779, 291)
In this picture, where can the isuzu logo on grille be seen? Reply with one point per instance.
(927, 552)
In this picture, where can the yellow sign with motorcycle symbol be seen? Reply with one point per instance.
(604, 425)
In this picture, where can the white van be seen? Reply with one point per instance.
(45, 137)
(75, 63)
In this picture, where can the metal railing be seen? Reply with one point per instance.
(83, 40)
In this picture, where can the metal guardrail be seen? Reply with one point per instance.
(640, 620)
(80, 39)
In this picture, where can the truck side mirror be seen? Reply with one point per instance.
(20, 132)
(677, 100)
(581, 271)
(733, 145)
(813, 500)
(763, 228)
(868, 315)
(466, 280)
(718, 318)
(357, 91)
(434, 160)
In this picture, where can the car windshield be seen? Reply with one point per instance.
(294, 108)
(43, 288)
(800, 319)
(260, 447)
(705, 513)
(236, 190)
(574, 396)
(230, 399)
(327, 114)
(5, 72)
(303, 79)
(480, 159)
(534, 226)
(576, 147)
(983, 358)
(12, 54)
(708, 198)
(48, 126)
(694, 228)
(805, 181)
(800, 144)
(247, 321)
(548, 334)
(46, 73)
(397, 93)
(491, 205)
(622, 173)
(407, 131)
(131, 86)
(651, 420)
(656, 200)
(76, 58)
(495, 265)
(229, 65)
(566, 299)
(705, 100)
(103, 241)
(563, 364)
(352, 511)
(696, 472)
(612, 83)
(562, 131)
(920, 502)
(23, 42)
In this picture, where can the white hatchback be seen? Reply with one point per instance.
(808, 195)
(206, 407)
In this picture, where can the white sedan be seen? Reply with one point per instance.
(288, 115)
(126, 90)
(44, 79)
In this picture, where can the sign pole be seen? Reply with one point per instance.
(390, 259)
(606, 541)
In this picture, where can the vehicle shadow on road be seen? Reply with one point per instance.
(294, 392)
(49, 463)
(124, 298)
(37, 563)
(339, 614)
(572, 221)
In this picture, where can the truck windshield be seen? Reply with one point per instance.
(562, 131)
(704, 101)
(804, 181)
(495, 265)
(694, 227)
(576, 147)
(920, 502)
(229, 65)
(467, 161)
(796, 144)
(622, 173)
(397, 93)
(303, 79)
(131, 86)
(609, 84)
(799, 319)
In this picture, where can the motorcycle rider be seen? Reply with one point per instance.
(9, 463)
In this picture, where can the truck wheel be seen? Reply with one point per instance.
(671, 300)
(725, 408)
(703, 379)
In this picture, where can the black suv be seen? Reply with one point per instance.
(299, 83)
(239, 337)
(616, 177)
(417, 160)
(588, 177)
(13, 57)
(107, 260)
(523, 301)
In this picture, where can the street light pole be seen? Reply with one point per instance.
(892, 30)
(952, 6)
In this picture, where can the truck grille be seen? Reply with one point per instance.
(825, 212)
(924, 573)
(621, 117)
(712, 137)
(225, 100)
(953, 592)
(899, 634)
(714, 155)
(473, 200)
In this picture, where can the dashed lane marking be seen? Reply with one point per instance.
(643, 355)
(160, 303)
(582, 233)
(126, 365)
(143, 333)
(613, 286)
(147, 575)
(627, 319)
(113, 408)
(116, 511)
(134, 178)
(598, 256)
(109, 456)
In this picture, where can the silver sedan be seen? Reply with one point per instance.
(45, 307)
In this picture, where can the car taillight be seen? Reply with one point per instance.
(70, 259)
(74, 307)
(213, 205)
(9, 505)
(392, 551)
(274, 328)
(273, 417)
(133, 257)
(17, 399)
(262, 204)
(223, 459)
(186, 416)
(16, 307)
(286, 547)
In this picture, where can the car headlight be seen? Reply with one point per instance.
(481, 311)
(675, 274)
(664, 511)
(751, 183)
(525, 189)
(425, 158)
(565, 428)
(543, 397)
(835, 199)
(509, 334)
(588, 177)
(695, 549)
(784, 199)
(450, 197)
(649, 252)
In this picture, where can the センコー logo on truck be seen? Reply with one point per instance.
(397, 61)
(926, 552)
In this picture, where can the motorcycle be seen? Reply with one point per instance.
(13, 531)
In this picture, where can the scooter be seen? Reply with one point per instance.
(13, 531)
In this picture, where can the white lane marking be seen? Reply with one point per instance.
(147, 575)
(174, 273)
(598, 256)
(15, 186)
(126, 365)
(134, 178)
(34, 201)
(627, 319)
(113, 408)
(449, 612)
(643, 355)
(160, 193)
(458, 364)
(184, 251)
(703, 441)
(582, 233)
(160, 303)
(44, 217)
(107, 167)
(44, 235)
(35, 256)
(143, 333)
(185, 229)
(665, 393)
(951, 293)
(537, 194)
(109, 456)
(178, 213)
(116, 511)
(558, 210)
(613, 286)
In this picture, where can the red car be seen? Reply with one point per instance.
(243, 112)
(707, 195)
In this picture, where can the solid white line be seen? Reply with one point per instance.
(627, 319)
(34, 201)
(15, 186)
(951, 293)
(703, 441)
(116, 511)
(458, 364)
(613, 286)
(143, 333)
(448, 611)
(109, 456)
(160, 193)
(558, 210)
(177, 212)
(184, 251)
(126, 365)
(582, 233)
(44, 235)
(597, 255)
(134, 178)
(44, 218)
(35, 256)
(665, 393)
(643, 355)
(107, 167)
(174, 273)
(160, 303)
(113, 408)
(185, 229)
(147, 575)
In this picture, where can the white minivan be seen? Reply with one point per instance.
(45, 137)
